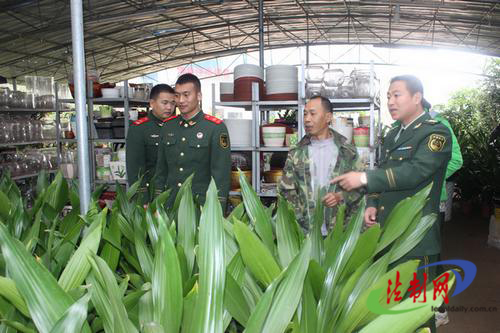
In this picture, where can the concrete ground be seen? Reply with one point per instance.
(466, 238)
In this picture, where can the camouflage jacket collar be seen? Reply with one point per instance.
(339, 140)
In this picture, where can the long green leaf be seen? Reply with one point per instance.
(9, 291)
(166, 284)
(328, 297)
(234, 300)
(256, 255)
(57, 193)
(412, 236)
(187, 225)
(107, 298)
(209, 305)
(359, 313)
(78, 267)
(45, 299)
(288, 293)
(17, 326)
(146, 309)
(73, 319)
(257, 213)
(287, 238)
(410, 321)
(401, 217)
(365, 249)
(5, 207)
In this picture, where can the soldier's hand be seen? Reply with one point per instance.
(370, 216)
(349, 181)
(332, 199)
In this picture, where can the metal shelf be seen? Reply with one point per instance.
(112, 182)
(116, 102)
(268, 194)
(31, 175)
(241, 148)
(352, 104)
(245, 104)
(26, 110)
(109, 140)
(13, 144)
(273, 105)
(271, 149)
(69, 140)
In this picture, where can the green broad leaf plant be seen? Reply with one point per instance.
(190, 269)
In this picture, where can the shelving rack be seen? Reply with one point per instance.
(260, 110)
(260, 113)
(363, 104)
(30, 111)
(126, 103)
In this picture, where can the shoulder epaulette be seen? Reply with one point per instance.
(141, 121)
(170, 118)
(213, 119)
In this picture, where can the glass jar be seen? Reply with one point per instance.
(333, 77)
(4, 97)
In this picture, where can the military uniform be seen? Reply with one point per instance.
(296, 182)
(199, 145)
(418, 157)
(143, 139)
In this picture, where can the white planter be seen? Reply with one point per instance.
(240, 132)
(273, 136)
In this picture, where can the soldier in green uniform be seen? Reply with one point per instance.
(415, 152)
(193, 142)
(143, 138)
(321, 155)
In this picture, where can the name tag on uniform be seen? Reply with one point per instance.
(404, 148)
(155, 136)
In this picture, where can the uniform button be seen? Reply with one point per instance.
(179, 184)
(400, 158)
(197, 146)
(186, 125)
(181, 169)
(382, 208)
(182, 154)
(156, 143)
(183, 139)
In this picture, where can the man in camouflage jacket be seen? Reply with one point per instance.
(297, 185)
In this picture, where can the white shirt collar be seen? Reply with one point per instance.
(405, 127)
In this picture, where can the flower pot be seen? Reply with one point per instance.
(274, 136)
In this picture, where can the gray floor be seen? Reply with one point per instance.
(466, 238)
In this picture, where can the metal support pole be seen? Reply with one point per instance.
(261, 33)
(307, 43)
(80, 93)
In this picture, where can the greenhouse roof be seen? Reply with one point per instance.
(130, 38)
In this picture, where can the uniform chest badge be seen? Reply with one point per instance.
(224, 140)
(199, 135)
(436, 142)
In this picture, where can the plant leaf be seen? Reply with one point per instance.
(255, 254)
(73, 319)
(78, 266)
(166, 284)
(257, 213)
(45, 299)
(209, 306)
